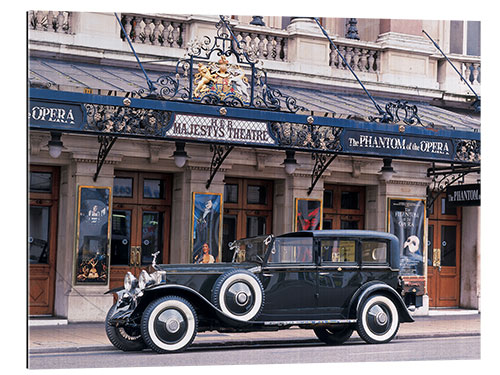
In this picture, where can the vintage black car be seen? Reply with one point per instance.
(331, 281)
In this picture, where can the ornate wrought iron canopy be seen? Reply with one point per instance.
(219, 95)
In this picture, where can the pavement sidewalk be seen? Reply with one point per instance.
(91, 336)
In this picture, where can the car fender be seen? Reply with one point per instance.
(378, 287)
(193, 296)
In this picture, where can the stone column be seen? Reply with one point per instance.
(191, 179)
(84, 302)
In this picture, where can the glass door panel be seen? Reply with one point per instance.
(448, 246)
(38, 234)
(121, 237)
(152, 236)
(256, 225)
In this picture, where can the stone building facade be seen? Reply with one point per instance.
(151, 201)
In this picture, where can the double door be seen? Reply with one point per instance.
(247, 211)
(443, 255)
(343, 207)
(42, 238)
(443, 267)
(140, 223)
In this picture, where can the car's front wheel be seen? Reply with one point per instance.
(124, 338)
(169, 324)
(378, 320)
(334, 335)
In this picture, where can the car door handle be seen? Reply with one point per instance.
(267, 274)
(324, 273)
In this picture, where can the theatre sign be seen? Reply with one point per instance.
(174, 120)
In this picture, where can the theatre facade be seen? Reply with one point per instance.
(158, 147)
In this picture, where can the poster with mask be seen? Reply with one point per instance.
(93, 235)
(406, 220)
(206, 229)
(307, 214)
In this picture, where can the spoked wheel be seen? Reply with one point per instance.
(334, 335)
(378, 320)
(169, 324)
(124, 338)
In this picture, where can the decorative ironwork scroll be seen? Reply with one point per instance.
(395, 110)
(468, 150)
(117, 120)
(443, 177)
(126, 120)
(316, 137)
(321, 164)
(222, 72)
(106, 142)
(218, 157)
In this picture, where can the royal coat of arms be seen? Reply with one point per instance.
(221, 80)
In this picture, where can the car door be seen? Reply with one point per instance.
(338, 276)
(289, 278)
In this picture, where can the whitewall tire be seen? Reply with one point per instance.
(169, 324)
(239, 294)
(378, 320)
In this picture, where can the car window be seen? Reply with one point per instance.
(374, 252)
(292, 250)
(338, 250)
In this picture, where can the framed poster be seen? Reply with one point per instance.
(308, 214)
(406, 220)
(206, 227)
(93, 235)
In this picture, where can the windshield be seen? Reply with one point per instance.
(250, 249)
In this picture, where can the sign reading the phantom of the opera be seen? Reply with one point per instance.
(397, 145)
(463, 195)
(220, 129)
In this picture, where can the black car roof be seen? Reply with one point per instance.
(340, 233)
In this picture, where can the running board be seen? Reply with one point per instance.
(311, 322)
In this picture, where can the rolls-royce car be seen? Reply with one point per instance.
(330, 281)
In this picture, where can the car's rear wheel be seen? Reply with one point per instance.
(169, 324)
(239, 294)
(378, 320)
(124, 338)
(334, 335)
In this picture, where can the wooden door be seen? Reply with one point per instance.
(42, 238)
(140, 223)
(343, 207)
(247, 211)
(443, 254)
(443, 271)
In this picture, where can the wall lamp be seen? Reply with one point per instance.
(290, 163)
(180, 155)
(387, 171)
(55, 145)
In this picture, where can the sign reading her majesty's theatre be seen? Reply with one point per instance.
(220, 129)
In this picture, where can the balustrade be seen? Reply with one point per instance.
(58, 22)
(360, 58)
(472, 72)
(265, 46)
(154, 30)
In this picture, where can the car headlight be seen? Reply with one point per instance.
(144, 279)
(129, 282)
